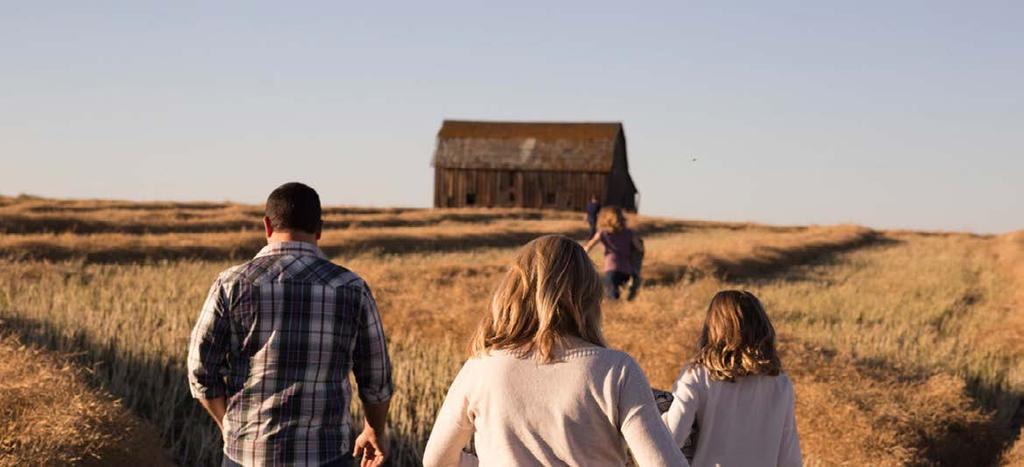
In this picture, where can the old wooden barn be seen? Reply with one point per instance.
(533, 165)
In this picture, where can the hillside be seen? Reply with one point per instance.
(905, 347)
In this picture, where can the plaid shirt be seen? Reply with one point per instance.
(277, 336)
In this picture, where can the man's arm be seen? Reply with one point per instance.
(371, 366)
(207, 348)
(372, 443)
(216, 407)
(377, 415)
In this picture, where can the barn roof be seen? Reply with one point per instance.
(586, 147)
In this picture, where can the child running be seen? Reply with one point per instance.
(734, 398)
(623, 252)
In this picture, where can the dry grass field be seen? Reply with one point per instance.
(50, 416)
(905, 347)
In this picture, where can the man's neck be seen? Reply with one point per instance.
(278, 237)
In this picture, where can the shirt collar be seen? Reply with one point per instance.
(292, 248)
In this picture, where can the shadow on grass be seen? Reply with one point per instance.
(768, 263)
(70, 223)
(778, 263)
(156, 390)
(937, 416)
(98, 205)
(381, 243)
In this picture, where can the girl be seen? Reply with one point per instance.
(734, 397)
(540, 387)
(622, 250)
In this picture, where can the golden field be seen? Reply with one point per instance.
(905, 347)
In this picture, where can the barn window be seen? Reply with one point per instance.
(470, 199)
(551, 197)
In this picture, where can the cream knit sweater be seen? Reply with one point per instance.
(576, 411)
(749, 422)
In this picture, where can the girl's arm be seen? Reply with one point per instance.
(681, 414)
(593, 241)
(789, 452)
(640, 425)
(452, 430)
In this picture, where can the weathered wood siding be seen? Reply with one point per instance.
(455, 188)
(531, 164)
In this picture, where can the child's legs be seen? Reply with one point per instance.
(634, 285)
(611, 287)
(613, 280)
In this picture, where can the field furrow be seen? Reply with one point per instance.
(903, 346)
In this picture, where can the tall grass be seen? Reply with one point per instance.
(49, 416)
(880, 331)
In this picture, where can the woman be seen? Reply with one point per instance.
(734, 397)
(622, 249)
(540, 387)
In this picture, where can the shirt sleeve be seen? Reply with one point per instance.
(453, 428)
(370, 361)
(789, 451)
(208, 346)
(641, 425)
(685, 404)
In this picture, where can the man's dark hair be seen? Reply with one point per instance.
(294, 206)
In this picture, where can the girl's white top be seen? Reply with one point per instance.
(577, 411)
(749, 422)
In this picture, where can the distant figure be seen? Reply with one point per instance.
(623, 251)
(593, 207)
(734, 398)
(541, 387)
(271, 353)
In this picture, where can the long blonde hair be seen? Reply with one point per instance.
(611, 218)
(550, 292)
(738, 339)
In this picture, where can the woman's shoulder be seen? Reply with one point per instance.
(602, 359)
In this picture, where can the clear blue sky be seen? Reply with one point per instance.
(888, 114)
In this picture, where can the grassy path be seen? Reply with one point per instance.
(920, 376)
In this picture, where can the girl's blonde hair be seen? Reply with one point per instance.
(611, 219)
(737, 339)
(550, 292)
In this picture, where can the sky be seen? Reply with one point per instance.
(890, 114)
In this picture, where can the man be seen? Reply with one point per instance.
(593, 207)
(270, 355)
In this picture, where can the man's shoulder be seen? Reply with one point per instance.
(234, 273)
(268, 268)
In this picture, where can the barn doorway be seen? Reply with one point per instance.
(508, 183)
